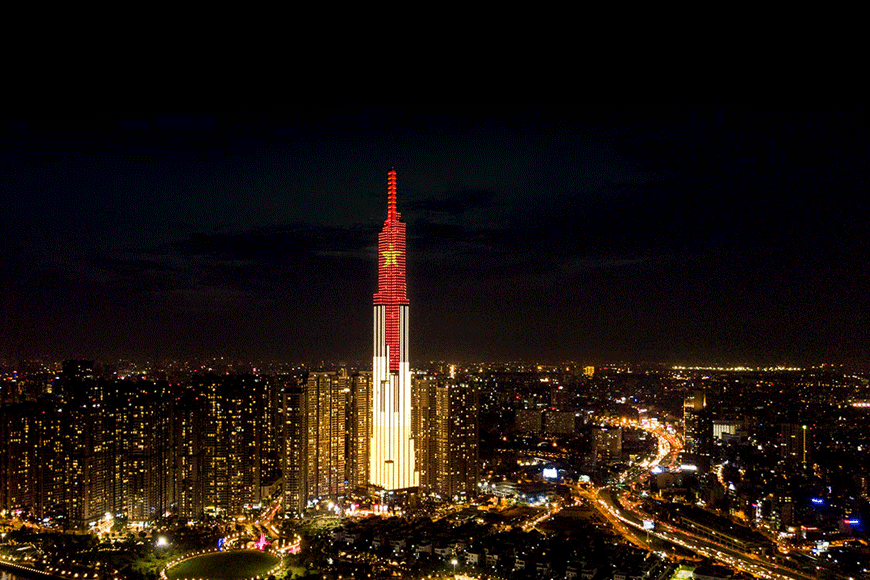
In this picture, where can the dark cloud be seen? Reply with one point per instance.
(455, 203)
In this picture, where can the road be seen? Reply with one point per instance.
(252, 530)
(629, 522)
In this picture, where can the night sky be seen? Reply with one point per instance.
(676, 235)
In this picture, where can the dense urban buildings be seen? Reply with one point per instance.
(786, 454)
(392, 445)
(79, 446)
(448, 453)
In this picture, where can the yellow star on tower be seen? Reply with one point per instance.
(390, 256)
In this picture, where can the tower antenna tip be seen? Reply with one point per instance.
(391, 195)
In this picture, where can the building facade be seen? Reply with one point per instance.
(608, 443)
(796, 443)
(697, 424)
(294, 465)
(325, 434)
(359, 429)
(326, 421)
(449, 438)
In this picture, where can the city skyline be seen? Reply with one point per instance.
(696, 235)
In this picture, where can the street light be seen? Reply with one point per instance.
(454, 561)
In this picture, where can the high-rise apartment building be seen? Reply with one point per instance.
(456, 440)
(130, 437)
(20, 431)
(392, 454)
(422, 417)
(608, 443)
(796, 443)
(189, 462)
(697, 424)
(325, 434)
(294, 464)
(359, 429)
(326, 431)
(238, 427)
(448, 435)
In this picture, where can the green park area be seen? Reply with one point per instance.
(224, 566)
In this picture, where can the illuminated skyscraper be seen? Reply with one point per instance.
(392, 446)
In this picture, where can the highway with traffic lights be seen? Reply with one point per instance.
(623, 510)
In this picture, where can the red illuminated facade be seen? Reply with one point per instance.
(392, 292)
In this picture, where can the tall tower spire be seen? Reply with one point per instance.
(391, 460)
(391, 195)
